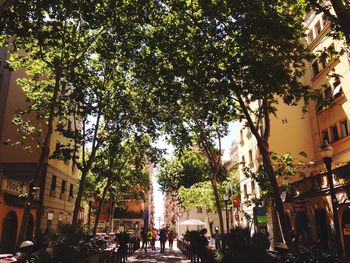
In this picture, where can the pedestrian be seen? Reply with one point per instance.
(144, 240)
(123, 240)
(203, 245)
(162, 239)
(171, 237)
(217, 239)
(150, 237)
(154, 238)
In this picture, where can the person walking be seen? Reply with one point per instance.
(203, 245)
(154, 238)
(123, 240)
(162, 239)
(217, 239)
(171, 237)
(144, 239)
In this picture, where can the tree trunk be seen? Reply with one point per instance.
(99, 209)
(214, 185)
(85, 170)
(40, 170)
(264, 150)
(84, 173)
(39, 212)
(111, 216)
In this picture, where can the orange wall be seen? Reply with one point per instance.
(5, 208)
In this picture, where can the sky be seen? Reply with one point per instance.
(158, 197)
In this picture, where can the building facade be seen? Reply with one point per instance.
(18, 161)
(306, 198)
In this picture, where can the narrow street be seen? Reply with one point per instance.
(174, 255)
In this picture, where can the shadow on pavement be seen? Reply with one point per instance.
(156, 256)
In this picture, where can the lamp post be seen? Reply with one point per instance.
(226, 198)
(327, 154)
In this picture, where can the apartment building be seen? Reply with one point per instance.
(329, 73)
(18, 164)
(306, 198)
(290, 133)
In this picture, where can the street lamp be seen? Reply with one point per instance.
(226, 198)
(327, 154)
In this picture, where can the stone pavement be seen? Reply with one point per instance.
(174, 256)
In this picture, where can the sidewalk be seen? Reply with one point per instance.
(174, 256)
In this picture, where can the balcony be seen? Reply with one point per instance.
(318, 184)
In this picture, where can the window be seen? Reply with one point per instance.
(241, 135)
(243, 162)
(69, 125)
(324, 20)
(199, 210)
(344, 128)
(71, 190)
(318, 28)
(250, 157)
(328, 94)
(324, 59)
(325, 135)
(63, 186)
(53, 182)
(253, 188)
(319, 104)
(331, 53)
(310, 36)
(245, 191)
(334, 131)
(58, 145)
(315, 69)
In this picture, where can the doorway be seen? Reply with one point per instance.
(302, 229)
(30, 229)
(346, 231)
(9, 233)
(322, 227)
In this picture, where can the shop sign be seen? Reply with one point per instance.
(50, 216)
(299, 206)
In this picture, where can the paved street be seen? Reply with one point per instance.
(174, 255)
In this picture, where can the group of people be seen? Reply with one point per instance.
(150, 237)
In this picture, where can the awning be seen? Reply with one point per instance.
(193, 222)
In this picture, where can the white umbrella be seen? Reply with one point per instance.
(193, 222)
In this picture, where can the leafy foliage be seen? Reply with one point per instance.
(184, 169)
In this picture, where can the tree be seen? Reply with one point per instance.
(184, 170)
(108, 106)
(123, 166)
(53, 37)
(190, 170)
(218, 58)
